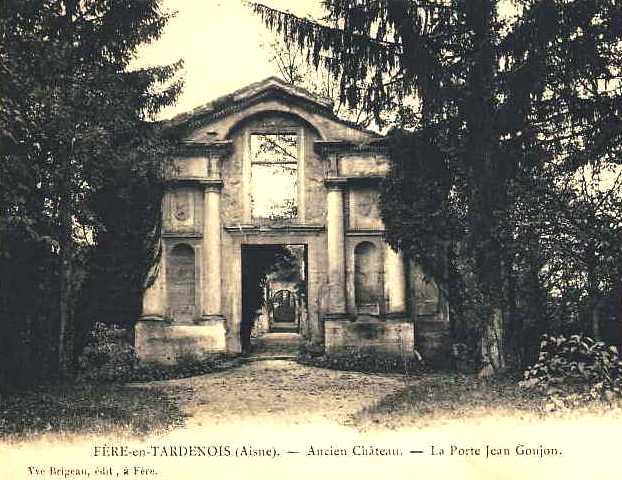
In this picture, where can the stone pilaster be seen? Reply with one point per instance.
(211, 251)
(394, 281)
(336, 260)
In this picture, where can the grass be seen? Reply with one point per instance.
(145, 409)
(88, 409)
(447, 397)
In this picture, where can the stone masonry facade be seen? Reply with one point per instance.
(360, 292)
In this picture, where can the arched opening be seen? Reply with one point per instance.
(283, 307)
(180, 283)
(367, 278)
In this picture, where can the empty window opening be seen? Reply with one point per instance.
(274, 176)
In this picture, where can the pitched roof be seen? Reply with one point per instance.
(257, 90)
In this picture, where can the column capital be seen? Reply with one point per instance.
(212, 185)
(335, 183)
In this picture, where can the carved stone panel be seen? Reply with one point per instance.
(183, 210)
(367, 278)
(364, 208)
(363, 164)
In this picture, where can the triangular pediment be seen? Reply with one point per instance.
(271, 87)
(212, 121)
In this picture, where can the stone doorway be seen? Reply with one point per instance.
(274, 292)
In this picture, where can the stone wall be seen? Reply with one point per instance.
(392, 337)
(208, 208)
(163, 343)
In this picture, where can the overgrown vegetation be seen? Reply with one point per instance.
(361, 359)
(576, 370)
(505, 136)
(80, 175)
(109, 357)
(88, 409)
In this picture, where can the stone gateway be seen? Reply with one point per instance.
(271, 165)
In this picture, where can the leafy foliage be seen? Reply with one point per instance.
(574, 370)
(108, 356)
(361, 359)
(75, 127)
(499, 114)
(88, 409)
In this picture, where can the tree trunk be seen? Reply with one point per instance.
(593, 291)
(65, 335)
(493, 353)
(486, 177)
(595, 320)
(65, 343)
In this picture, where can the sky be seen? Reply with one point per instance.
(220, 42)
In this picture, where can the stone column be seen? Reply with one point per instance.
(211, 252)
(394, 281)
(336, 239)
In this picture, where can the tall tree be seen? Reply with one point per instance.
(505, 96)
(72, 107)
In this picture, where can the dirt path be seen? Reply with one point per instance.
(278, 389)
(270, 404)
(271, 386)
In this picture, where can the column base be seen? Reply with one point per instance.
(155, 318)
(395, 338)
(209, 319)
(167, 343)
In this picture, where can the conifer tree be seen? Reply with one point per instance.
(73, 112)
(506, 98)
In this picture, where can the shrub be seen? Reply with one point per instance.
(108, 355)
(183, 368)
(364, 360)
(574, 371)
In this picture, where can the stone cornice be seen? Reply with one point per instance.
(335, 183)
(212, 184)
(181, 235)
(205, 182)
(266, 90)
(251, 229)
(220, 148)
(270, 93)
(364, 233)
(327, 147)
(364, 179)
(196, 119)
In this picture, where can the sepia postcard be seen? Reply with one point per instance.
(287, 326)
